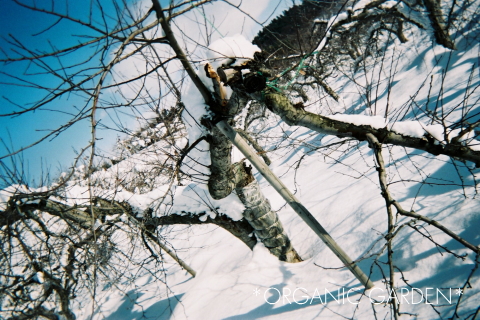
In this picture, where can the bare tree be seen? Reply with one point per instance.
(56, 246)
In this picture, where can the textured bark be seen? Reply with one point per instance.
(438, 23)
(224, 177)
(258, 213)
(266, 223)
(280, 105)
(221, 182)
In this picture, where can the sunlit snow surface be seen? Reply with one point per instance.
(341, 190)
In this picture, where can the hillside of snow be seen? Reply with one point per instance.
(339, 185)
(335, 178)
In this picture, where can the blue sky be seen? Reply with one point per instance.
(56, 153)
(21, 131)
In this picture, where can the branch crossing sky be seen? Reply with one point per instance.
(23, 83)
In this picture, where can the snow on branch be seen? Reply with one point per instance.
(359, 126)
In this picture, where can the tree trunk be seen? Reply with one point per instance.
(267, 225)
(221, 182)
(300, 209)
(438, 23)
(225, 177)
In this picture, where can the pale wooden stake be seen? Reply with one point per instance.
(251, 155)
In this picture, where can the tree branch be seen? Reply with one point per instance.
(375, 144)
(280, 105)
(172, 40)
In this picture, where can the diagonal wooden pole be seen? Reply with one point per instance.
(251, 155)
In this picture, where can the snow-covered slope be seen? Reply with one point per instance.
(435, 276)
(339, 185)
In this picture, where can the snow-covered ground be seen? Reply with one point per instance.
(339, 185)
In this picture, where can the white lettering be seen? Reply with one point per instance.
(286, 295)
(266, 300)
(304, 291)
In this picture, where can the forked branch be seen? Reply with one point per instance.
(377, 147)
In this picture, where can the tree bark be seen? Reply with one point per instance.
(266, 223)
(221, 182)
(280, 105)
(439, 25)
(225, 177)
(258, 213)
